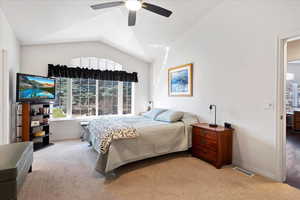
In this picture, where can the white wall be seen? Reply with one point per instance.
(9, 66)
(65, 130)
(35, 60)
(234, 51)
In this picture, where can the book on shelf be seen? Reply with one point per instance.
(40, 134)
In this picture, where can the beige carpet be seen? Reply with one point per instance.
(65, 171)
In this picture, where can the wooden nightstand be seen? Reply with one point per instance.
(212, 144)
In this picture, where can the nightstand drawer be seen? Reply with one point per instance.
(203, 142)
(205, 133)
(208, 144)
(205, 154)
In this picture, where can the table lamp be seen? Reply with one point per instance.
(211, 107)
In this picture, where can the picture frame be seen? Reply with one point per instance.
(180, 81)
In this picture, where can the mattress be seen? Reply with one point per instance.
(155, 138)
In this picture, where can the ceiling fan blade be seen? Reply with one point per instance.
(107, 5)
(132, 18)
(157, 9)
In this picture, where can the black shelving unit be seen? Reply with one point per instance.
(36, 112)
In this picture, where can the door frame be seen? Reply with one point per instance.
(281, 71)
(2, 116)
(4, 95)
(1, 97)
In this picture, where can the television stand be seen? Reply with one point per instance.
(35, 124)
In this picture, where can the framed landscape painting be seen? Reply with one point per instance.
(181, 80)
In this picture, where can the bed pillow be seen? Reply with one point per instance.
(189, 118)
(152, 114)
(170, 116)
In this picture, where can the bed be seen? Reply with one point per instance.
(147, 138)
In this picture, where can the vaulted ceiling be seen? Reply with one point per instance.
(53, 21)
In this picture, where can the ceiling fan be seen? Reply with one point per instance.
(133, 6)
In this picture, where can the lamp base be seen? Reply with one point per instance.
(213, 125)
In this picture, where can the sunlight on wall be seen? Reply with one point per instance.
(163, 58)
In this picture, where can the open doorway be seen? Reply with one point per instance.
(292, 107)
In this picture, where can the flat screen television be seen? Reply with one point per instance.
(31, 88)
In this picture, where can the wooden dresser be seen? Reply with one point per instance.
(296, 120)
(212, 144)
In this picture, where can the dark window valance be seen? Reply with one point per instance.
(85, 73)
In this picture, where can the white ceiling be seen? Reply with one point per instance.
(53, 21)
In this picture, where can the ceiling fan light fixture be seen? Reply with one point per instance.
(133, 5)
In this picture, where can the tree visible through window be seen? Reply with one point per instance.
(83, 97)
(127, 97)
(108, 97)
(89, 97)
(62, 90)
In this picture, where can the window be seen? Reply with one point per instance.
(127, 97)
(83, 97)
(62, 87)
(88, 97)
(108, 97)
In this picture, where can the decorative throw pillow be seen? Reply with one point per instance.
(170, 116)
(152, 114)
